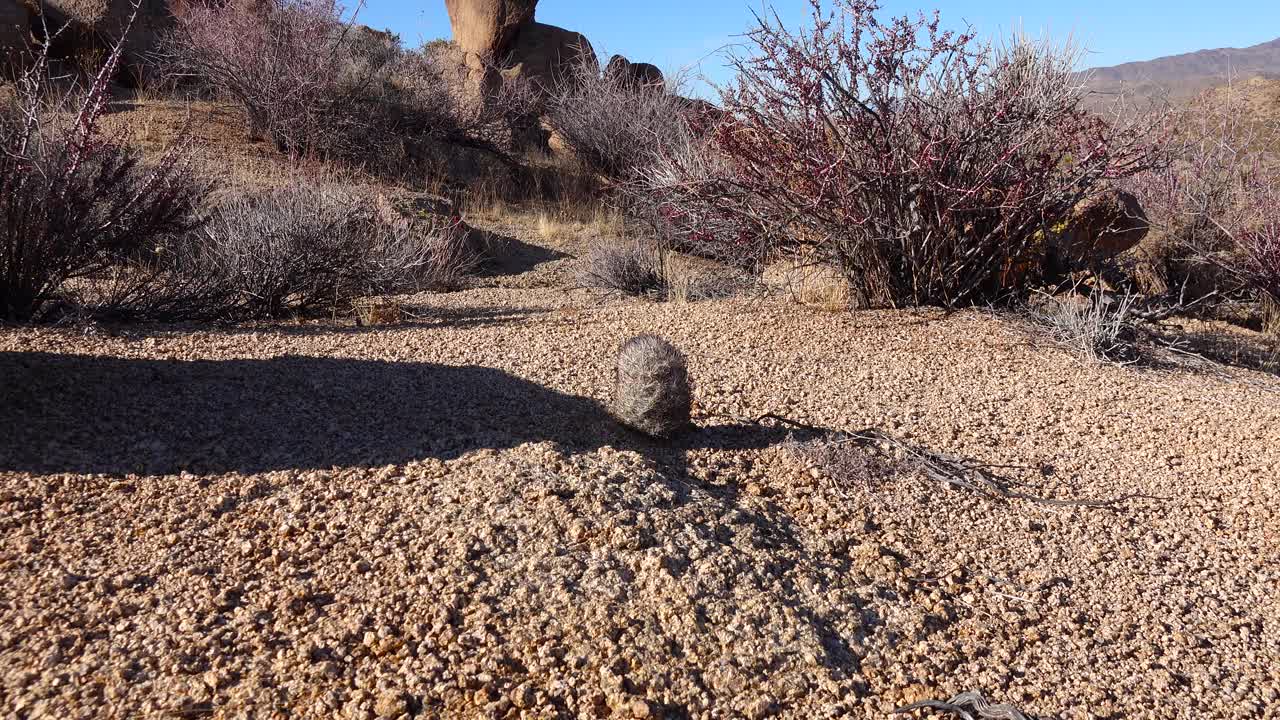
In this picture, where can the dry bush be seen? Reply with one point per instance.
(304, 249)
(76, 205)
(625, 267)
(1216, 205)
(612, 126)
(313, 82)
(651, 388)
(1097, 328)
(926, 165)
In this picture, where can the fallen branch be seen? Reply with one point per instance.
(965, 705)
(950, 469)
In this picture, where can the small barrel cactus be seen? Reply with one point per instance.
(651, 390)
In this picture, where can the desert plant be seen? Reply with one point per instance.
(292, 65)
(306, 248)
(928, 166)
(75, 204)
(625, 267)
(613, 126)
(651, 391)
(1216, 205)
(313, 81)
(1097, 328)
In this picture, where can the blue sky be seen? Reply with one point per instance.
(674, 34)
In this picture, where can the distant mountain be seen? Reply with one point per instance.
(1183, 76)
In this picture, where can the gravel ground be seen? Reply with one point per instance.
(439, 519)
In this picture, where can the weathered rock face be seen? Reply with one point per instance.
(96, 25)
(488, 27)
(15, 31)
(636, 75)
(1102, 226)
(545, 54)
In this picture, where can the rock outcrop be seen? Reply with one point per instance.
(544, 55)
(635, 75)
(1100, 227)
(16, 19)
(502, 34)
(93, 27)
(487, 28)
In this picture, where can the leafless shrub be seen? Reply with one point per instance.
(313, 82)
(302, 249)
(75, 204)
(1217, 204)
(925, 164)
(613, 126)
(626, 267)
(651, 388)
(1098, 328)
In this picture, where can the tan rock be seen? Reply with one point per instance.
(637, 75)
(1102, 226)
(544, 54)
(487, 27)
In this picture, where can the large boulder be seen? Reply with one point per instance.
(1103, 225)
(544, 55)
(16, 19)
(95, 26)
(634, 75)
(487, 28)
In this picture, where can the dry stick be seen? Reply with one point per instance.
(953, 470)
(961, 704)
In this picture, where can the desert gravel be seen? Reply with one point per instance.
(439, 519)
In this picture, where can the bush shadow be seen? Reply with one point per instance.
(93, 414)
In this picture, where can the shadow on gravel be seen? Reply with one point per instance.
(90, 414)
(417, 317)
(506, 255)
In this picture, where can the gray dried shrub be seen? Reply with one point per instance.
(612, 126)
(625, 267)
(849, 464)
(651, 388)
(1099, 328)
(302, 249)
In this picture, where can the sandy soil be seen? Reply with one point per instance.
(439, 519)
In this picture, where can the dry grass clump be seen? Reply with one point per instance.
(651, 388)
(625, 267)
(1099, 328)
(378, 311)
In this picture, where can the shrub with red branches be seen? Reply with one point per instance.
(928, 166)
(1216, 205)
(75, 204)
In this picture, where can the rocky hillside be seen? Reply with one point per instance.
(1184, 76)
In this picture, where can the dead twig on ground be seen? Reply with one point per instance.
(950, 469)
(966, 705)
